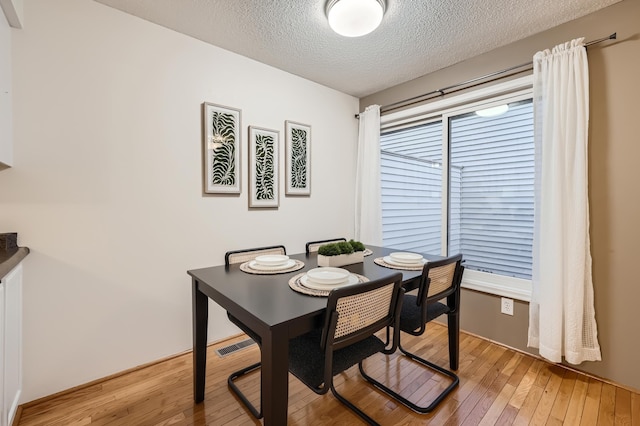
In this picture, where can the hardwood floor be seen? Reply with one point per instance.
(498, 386)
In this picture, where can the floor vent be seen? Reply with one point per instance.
(228, 350)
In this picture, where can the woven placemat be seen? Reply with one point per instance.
(244, 267)
(380, 261)
(296, 285)
(367, 252)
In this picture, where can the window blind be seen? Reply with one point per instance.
(491, 189)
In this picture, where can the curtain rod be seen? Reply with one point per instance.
(473, 82)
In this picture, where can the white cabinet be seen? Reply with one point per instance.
(11, 343)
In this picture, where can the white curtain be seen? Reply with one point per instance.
(561, 314)
(368, 226)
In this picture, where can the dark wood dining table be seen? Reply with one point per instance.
(275, 312)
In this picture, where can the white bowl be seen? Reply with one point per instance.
(328, 275)
(406, 257)
(351, 280)
(272, 259)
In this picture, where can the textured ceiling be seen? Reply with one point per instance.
(416, 36)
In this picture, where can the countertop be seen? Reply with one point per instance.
(10, 258)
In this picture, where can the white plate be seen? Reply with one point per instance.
(327, 275)
(304, 280)
(406, 257)
(272, 259)
(394, 263)
(258, 267)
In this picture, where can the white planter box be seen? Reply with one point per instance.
(341, 259)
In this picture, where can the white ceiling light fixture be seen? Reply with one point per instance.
(493, 111)
(355, 18)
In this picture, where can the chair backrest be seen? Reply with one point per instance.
(245, 255)
(358, 311)
(313, 246)
(440, 278)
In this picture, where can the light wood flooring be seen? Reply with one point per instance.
(498, 386)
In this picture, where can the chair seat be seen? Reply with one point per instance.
(411, 316)
(306, 357)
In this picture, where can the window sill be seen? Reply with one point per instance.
(500, 285)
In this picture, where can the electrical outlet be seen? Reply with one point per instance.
(507, 306)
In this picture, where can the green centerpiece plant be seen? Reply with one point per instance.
(342, 253)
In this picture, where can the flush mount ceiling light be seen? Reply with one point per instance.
(355, 18)
(494, 111)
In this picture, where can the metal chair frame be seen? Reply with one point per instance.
(229, 260)
(329, 343)
(452, 309)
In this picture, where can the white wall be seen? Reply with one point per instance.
(106, 187)
(6, 132)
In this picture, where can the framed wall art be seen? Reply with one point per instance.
(221, 149)
(264, 167)
(298, 158)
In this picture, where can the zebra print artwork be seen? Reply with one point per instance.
(298, 158)
(224, 146)
(263, 167)
(222, 149)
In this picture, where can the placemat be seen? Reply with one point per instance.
(367, 252)
(244, 267)
(380, 261)
(296, 285)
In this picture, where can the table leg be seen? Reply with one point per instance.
(200, 312)
(275, 376)
(453, 326)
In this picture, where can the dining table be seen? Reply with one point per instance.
(276, 313)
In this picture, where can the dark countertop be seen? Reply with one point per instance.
(10, 258)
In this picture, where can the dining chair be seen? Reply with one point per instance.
(313, 246)
(440, 279)
(232, 258)
(352, 317)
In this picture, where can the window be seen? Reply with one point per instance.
(455, 181)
